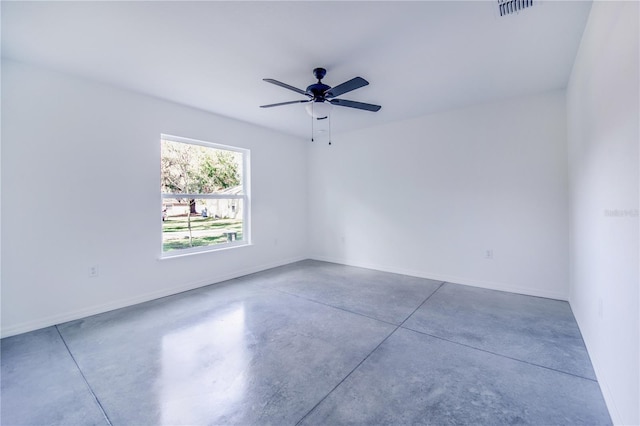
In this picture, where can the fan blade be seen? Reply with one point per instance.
(286, 103)
(285, 85)
(354, 104)
(347, 86)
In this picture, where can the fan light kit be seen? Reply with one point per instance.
(321, 98)
(319, 110)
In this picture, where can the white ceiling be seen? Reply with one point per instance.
(420, 57)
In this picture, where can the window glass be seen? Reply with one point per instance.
(204, 196)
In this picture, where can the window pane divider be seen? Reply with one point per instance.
(205, 196)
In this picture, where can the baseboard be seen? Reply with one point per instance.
(26, 327)
(491, 285)
(607, 394)
(616, 418)
(122, 303)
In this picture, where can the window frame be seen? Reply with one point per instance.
(245, 197)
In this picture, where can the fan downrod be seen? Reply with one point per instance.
(317, 90)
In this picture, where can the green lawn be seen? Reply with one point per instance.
(206, 231)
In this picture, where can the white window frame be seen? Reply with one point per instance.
(245, 197)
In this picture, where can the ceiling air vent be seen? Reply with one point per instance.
(507, 7)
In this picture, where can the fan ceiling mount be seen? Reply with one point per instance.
(319, 94)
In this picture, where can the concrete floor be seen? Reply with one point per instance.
(309, 343)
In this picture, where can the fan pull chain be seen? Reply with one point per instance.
(329, 129)
(312, 121)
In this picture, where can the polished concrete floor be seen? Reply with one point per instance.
(309, 343)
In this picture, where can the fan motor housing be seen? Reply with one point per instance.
(318, 90)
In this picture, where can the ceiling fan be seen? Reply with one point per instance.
(321, 96)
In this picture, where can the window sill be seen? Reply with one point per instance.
(203, 250)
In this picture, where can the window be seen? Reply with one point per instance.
(205, 196)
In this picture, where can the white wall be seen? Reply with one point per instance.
(428, 196)
(72, 149)
(603, 113)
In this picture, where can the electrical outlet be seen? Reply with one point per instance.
(93, 271)
(488, 254)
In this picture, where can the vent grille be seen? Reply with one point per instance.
(508, 7)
